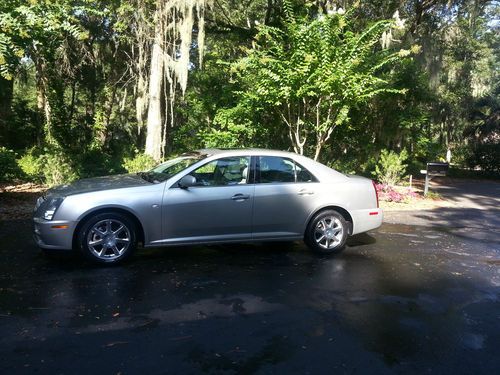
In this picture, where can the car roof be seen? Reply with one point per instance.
(244, 151)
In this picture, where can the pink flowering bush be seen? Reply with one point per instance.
(390, 194)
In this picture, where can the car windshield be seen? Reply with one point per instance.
(171, 167)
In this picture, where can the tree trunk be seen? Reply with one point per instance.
(42, 100)
(154, 125)
(142, 32)
(141, 102)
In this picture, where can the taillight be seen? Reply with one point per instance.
(376, 192)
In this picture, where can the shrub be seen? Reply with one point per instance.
(461, 154)
(353, 164)
(50, 167)
(485, 156)
(140, 162)
(97, 163)
(433, 195)
(57, 168)
(390, 168)
(30, 164)
(388, 194)
(9, 170)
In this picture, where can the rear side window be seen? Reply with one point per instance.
(303, 175)
(275, 169)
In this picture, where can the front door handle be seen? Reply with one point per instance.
(240, 197)
(305, 192)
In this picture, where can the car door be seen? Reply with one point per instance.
(285, 196)
(217, 208)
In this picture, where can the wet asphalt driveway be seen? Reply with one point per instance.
(402, 299)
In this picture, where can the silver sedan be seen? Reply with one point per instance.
(208, 196)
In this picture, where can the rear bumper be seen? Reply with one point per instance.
(53, 235)
(365, 220)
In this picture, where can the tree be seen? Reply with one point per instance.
(170, 62)
(38, 32)
(314, 71)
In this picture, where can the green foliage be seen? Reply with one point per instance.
(20, 130)
(485, 156)
(35, 30)
(351, 164)
(57, 168)
(232, 129)
(288, 74)
(9, 169)
(433, 195)
(313, 72)
(31, 165)
(390, 168)
(51, 168)
(54, 166)
(139, 163)
(95, 162)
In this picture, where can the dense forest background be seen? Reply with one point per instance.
(96, 87)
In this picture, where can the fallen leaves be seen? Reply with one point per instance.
(17, 201)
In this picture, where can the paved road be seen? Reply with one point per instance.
(403, 299)
(475, 194)
(475, 214)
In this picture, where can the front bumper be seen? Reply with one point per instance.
(54, 234)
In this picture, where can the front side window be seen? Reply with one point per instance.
(275, 169)
(171, 167)
(223, 172)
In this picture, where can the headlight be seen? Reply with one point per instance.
(51, 206)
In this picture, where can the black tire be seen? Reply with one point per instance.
(108, 256)
(312, 236)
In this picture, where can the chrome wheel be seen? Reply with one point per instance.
(108, 239)
(328, 232)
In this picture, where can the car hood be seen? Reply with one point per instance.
(88, 185)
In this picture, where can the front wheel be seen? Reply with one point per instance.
(327, 232)
(108, 238)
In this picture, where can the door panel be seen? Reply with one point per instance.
(285, 195)
(281, 210)
(220, 208)
(204, 212)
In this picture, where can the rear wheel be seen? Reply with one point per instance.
(108, 238)
(327, 232)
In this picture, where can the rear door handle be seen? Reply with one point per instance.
(305, 192)
(240, 197)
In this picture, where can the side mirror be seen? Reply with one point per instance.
(187, 181)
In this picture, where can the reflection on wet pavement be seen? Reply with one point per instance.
(402, 299)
